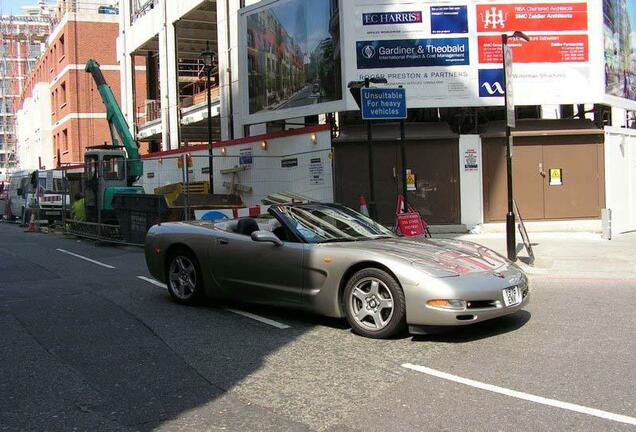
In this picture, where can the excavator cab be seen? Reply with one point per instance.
(106, 175)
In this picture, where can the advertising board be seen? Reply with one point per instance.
(619, 43)
(290, 59)
(297, 56)
(448, 53)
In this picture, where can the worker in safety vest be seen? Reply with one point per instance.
(78, 211)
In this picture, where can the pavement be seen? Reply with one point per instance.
(89, 345)
(563, 254)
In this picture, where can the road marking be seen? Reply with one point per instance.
(236, 311)
(525, 396)
(259, 318)
(153, 281)
(85, 259)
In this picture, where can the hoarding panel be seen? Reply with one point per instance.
(290, 59)
(561, 64)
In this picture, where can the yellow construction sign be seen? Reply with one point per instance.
(556, 177)
(410, 181)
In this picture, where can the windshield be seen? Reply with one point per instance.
(114, 168)
(323, 224)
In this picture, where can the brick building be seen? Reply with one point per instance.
(76, 114)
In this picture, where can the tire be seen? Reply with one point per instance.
(183, 277)
(374, 304)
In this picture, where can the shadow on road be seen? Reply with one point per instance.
(90, 348)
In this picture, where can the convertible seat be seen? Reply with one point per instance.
(246, 226)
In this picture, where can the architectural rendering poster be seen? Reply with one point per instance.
(449, 53)
(619, 36)
(292, 59)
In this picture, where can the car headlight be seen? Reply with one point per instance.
(449, 304)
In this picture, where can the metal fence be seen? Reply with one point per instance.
(177, 187)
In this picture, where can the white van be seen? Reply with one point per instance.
(23, 196)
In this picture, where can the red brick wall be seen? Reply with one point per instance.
(81, 41)
(81, 133)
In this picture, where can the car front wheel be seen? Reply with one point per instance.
(374, 304)
(184, 277)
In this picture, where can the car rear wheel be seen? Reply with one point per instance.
(374, 304)
(184, 277)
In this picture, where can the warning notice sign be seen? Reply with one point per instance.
(556, 48)
(531, 17)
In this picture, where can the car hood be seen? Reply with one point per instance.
(441, 257)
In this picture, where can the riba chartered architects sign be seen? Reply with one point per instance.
(383, 103)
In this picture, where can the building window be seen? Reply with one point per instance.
(52, 103)
(62, 53)
(65, 139)
(63, 94)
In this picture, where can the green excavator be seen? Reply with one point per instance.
(110, 169)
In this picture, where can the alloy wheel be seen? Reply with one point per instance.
(182, 277)
(371, 302)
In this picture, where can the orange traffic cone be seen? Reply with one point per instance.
(31, 227)
(363, 206)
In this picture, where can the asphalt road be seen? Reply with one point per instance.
(85, 346)
(301, 98)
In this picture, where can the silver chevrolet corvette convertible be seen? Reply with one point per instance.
(331, 260)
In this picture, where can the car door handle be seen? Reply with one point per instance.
(222, 241)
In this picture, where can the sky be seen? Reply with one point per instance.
(13, 6)
(310, 30)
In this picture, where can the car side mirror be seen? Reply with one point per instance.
(266, 237)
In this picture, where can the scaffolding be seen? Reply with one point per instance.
(22, 38)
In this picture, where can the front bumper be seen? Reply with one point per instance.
(444, 318)
(483, 292)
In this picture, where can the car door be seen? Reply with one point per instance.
(254, 271)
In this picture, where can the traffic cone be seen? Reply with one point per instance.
(363, 206)
(32, 227)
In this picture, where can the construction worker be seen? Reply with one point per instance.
(78, 211)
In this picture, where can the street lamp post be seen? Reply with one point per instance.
(511, 241)
(209, 62)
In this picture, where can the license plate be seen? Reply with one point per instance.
(512, 296)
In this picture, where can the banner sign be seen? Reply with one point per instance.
(449, 54)
(449, 19)
(412, 53)
(393, 18)
(531, 17)
(540, 49)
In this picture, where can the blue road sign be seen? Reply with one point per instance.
(383, 103)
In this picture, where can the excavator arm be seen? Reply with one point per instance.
(119, 131)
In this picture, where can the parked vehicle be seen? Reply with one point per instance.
(331, 260)
(47, 194)
(4, 199)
